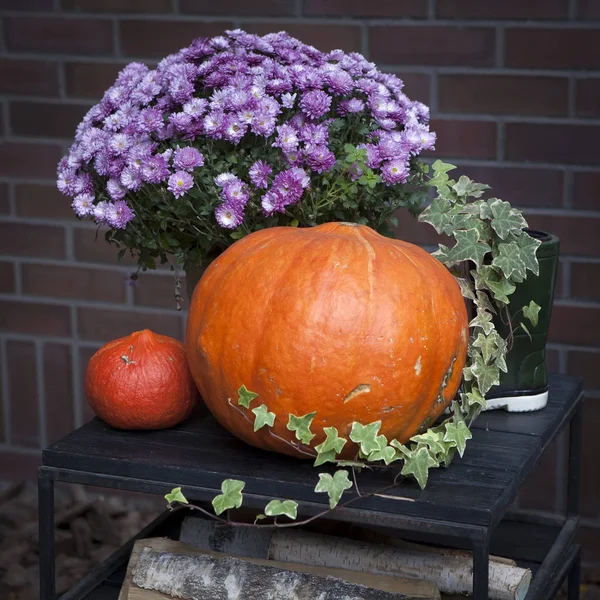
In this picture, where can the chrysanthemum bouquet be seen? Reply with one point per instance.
(242, 132)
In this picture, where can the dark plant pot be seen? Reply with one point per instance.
(525, 386)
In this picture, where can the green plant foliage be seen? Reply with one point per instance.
(263, 417)
(531, 312)
(175, 495)
(245, 397)
(418, 464)
(366, 437)
(231, 496)
(334, 486)
(301, 427)
(289, 508)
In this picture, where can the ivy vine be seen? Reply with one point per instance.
(491, 254)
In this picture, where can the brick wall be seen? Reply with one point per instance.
(514, 88)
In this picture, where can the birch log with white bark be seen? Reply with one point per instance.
(451, 572)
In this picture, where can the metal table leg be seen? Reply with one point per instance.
(575, 448)
(481, 565)
(46, 526)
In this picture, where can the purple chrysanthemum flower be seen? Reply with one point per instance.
(339, 81)
(319, 158)
(235, 192)
(149, 120)
(395, 171)
(287, 138)
(196, 107)
(314, 133)
(350, 106)
(115, 190)
(155, 169)
(263, 124)
(287, 100)
(213, 124)
(83, 183)
(83, 205)
(223, 178)
(229, 216)
(418, 138)
(120, 143)
(100, 212)
(315, 104)
(180, 183)
(272, 202)
(180, 120)
(259, 174)
(131, 178)
(390, 148)
(234, 129)
(118, 214)
(187, 158)
(288, 186)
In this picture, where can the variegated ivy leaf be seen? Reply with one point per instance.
(356, 464)
(231, 496)
(528, 248)
(441, 167)
(437, 214)
(334, 486)
(366, 436)
(301, 427)
(263, 417)
(245, 397)
(466, 288)
(483, 319)
(487, 278)
(487, 344)
(433, 439)
(505, 218)
(175, 495)
(531, 312)
(525, 329)
(483, 302)
(332, 441)
(387, 454)
(500, 360)
(289, 508)
(501, 290)
(418, 464)
(485, 211)
(467, 187)
(472, 398)
(458, 434)
(325, 457)
(442, 254)
(400, 447)
(469, 246)
(487, 376)
(509, 260)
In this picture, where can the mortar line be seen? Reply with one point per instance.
(176, 7)
(41, 394)
(568, 184)
(12, 199)
(18, 278)
(431, 9)
(572, 96)
(116, 38)
(364, 40)
(62, 81)
(572, 8)
(500, 139)
(499, 39)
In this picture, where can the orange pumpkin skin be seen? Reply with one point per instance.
(141, 381)
(335, 319)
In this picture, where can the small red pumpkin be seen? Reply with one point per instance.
(141, 381)
(334, 319)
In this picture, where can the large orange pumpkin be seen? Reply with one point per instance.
(141, 381)
(335, 319)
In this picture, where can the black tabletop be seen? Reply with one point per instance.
(475, 489)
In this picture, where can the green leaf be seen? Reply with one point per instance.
(294, 223)
(467, 187)
(437, 214)
(332, 441)
(263, 417)
(238, 234)
(366, 436)
(466, 288)
(501, 290)
(441, 167)
(458, 434)
(473, 398)
(387, 454)
(433, 439)
(418, 464)
(325, 457)
(483, 320)
(509, 260)
(487, 376)
(400, 447)
(531, 312)
(231, 496)
(289, 508)
(245, 396)
(528, 247)
(469, 247)
(175, 495)
(334, 486)
(301, 427)
(487, 344)
(505, 218)
(525, 329)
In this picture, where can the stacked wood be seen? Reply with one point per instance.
(89, 528)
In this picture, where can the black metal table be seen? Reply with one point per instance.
(464, 506)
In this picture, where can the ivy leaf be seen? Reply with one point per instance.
(332, 443)
(487, 376)
(400, 447)
(301, 427)
(231, 496)
(509, 260)
(351, 463)
(418, 464)
(458, 434)
(528, 247)
(467, 187)
(469, 247)
(473, 398)
(245, 397)
(437, 214)
(466, 288)
(483, 302)
(525, 329)
(263, 417)
(238, 234)
(175, 495)
(505, 218)
(433, 439)
(487, 344)
(294, 223)
(531, 312)
(483, 319)
(501, 290)
(289, 508)
(366, 436)
(441, 167)
(387, 454)
(325, 457)
(334, 486)
(442, 253)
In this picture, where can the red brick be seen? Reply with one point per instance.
(4, 200)
(146, 6)
(35, 318)
(42, 201)
(91, 247)
(537, 142)
(539, 490)
(507, 9)
(22, 386)
(552, 360)
(573, 324)
(416, 85)
(590, 482)
(32, 240)
(98, 324)
(7, 277)
(323, 37)
(83, 283)
(587, 538)
(158, 38)
(585, 282)
(31, 77)
(588, 98)
(256, 8)
(578, 235)
(60, 418)
(519, 186)
(27, 4)
(158, 290)
(586, 191)
(85, 354)
(90, 80)
(59, 36)
(46, 119)
(585, 364)
(464, 139)
(588, 9)
(429, 45)
(553, 48)
(415, 232)
(29, 160)
(503, 95)
(559, 284)
(360, 8)
(19, 466)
